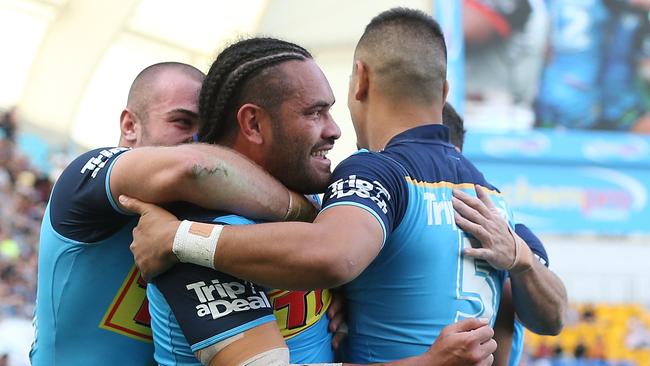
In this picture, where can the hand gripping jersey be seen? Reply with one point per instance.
(194, 307)
(420, 281)
(539, 251)
(91, 307)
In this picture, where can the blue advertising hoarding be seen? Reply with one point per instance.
(569, 182)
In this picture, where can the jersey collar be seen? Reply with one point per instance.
(432, 132)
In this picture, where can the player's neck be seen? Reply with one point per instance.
(386, 120)
(249, 150)
(125, 143)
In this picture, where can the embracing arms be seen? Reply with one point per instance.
(210, 176)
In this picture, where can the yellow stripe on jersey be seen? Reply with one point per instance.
(448, 185)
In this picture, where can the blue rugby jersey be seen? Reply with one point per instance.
(91, 307)
(194, 307)
(420, 281)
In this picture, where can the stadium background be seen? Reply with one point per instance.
(66, 67)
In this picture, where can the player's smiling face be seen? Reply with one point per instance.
(303, 130)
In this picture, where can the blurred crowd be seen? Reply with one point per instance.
(596, 335)
(23, 193)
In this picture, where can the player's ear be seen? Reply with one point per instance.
(250, 118)
(445, 92)
(128, 133)
(360, 81)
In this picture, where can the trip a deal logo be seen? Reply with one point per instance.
(596, 194)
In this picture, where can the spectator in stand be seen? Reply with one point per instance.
(8, 124)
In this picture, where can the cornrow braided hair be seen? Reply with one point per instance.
(233, 67)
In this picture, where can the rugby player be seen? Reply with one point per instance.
(267, 99)
(91, 307)
(387, 227)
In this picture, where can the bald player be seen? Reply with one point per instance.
(91, 306)
(387, 227)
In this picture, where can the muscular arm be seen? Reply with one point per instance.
(333, 250)
(504, 326)
(341, 243)
(210, 176)
(539, 297)
(468, 342)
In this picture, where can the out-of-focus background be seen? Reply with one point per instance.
(555, 95)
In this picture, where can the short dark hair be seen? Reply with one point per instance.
(139, 93)
(242, 74)
(454, 121)
(407, 49)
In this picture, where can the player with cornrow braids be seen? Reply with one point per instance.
(226, 80)
(268, 100)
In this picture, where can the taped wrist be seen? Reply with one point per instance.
(516, 267)
(196, 243)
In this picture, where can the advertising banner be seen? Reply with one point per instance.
(569, 182)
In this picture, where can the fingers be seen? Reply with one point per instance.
(132, 204)
(484, 353)
(472, 202)
(337, 339)
(483, 196)
(466, 325)
(483, 334)
(478, 253)
(467, 212)
(147, 277)
(336, 305)
(488, 360)
(489, 347)
(477, 230)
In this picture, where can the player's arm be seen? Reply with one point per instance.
(361, 206)
(468, 342)
(504, 326)
(332, 251)
(538, 291)
(539, 296)
(210, 176)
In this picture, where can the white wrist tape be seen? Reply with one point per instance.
(196, 243)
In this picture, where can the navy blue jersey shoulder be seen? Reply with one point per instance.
(81, 207)
(371, 175)
(422, 154)
(413, 149)
(533, 242)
